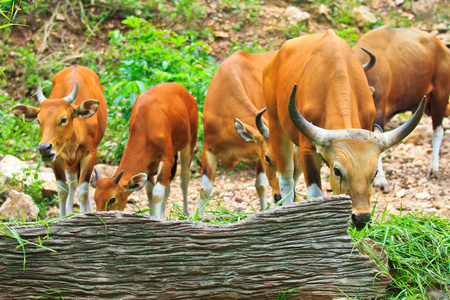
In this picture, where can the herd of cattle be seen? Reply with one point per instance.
(315, 99)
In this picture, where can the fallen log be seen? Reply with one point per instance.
(112, 255)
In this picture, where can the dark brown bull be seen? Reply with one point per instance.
(410, 63)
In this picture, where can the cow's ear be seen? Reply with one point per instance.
(137, 182)
(25, 112)
(247, 132)
(87, 109)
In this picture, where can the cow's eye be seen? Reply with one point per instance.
(337, 172)
(267, 158)
(63, 121)
(112, 200)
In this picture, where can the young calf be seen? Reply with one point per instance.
(163, 121)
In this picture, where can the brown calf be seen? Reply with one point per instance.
(163, 122)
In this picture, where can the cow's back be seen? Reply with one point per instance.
(89, 87)
(324, 67)
(166, 111)
(235, 92)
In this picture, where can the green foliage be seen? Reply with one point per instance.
(295, 31)
(145, 56)
(418, 248)
(18, 138)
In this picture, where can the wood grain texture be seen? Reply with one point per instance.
(304, 246)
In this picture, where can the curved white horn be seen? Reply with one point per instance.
(72, 95)
(317, 135)
(39, 94)
(393, 137)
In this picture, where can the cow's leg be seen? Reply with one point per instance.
(438, 101)
(86, 168)
(185, 161)
(261, 185)
(438, 135)
(209, 168)
(311, 163)
(282, 149)
(72, 181)
(160, 190)
(149, 185)
(61, 187)
(380, 179)
(297, 166)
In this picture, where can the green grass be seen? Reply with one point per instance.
(417, 246)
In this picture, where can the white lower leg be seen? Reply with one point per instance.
(158, 198)
(83, 197)
(261, 188)
(72, 181)
(313, 191)
(63, 191)
(438, 135)
(205, 192)
(286, 189)
(380, 179)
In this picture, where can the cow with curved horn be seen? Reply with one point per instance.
(232, 108)
(411, 63)
(72, 121)
(319, 79)
(163, 122)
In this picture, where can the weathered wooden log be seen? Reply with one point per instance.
(113, 255)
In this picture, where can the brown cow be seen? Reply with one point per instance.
(163, 121)
(72, 126)
(333, 94)
(410, 63)
(233, 102)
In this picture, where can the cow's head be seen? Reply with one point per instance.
(55, 117)
(260, 136)
(352, 155)
(111, 193)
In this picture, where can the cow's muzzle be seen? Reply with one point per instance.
(46, 151)
(360, 220)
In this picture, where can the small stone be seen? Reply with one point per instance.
(423, 196)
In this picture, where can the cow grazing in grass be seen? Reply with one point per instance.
(163, 122)
(234, 129)
(319, 78)
(72, 121)
(410, 63)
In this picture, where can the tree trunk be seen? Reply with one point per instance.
(112, 255)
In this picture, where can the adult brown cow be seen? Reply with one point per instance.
(72, 122)
(233, 106)
(410, 63)
(323, 73)
(163, 122)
